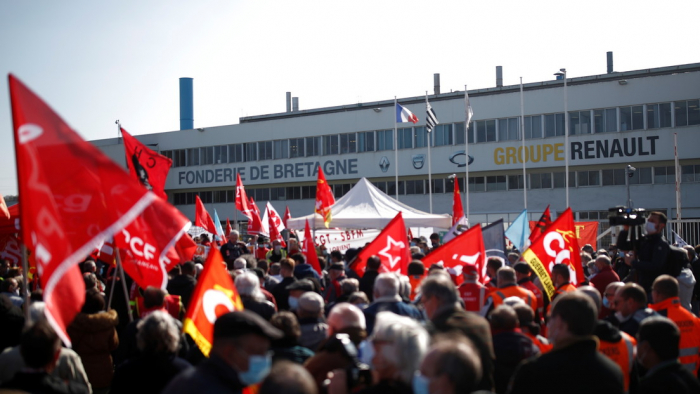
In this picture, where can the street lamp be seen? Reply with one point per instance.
(562, 73)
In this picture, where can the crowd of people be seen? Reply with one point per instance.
(630, 327)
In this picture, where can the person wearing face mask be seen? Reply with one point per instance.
(605, 274)
(277, 254)
(647, 255)
(239, 357)
(630, 303)
(451, 366)
(658, 352)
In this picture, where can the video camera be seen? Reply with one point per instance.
(623, 216)
(358, 373)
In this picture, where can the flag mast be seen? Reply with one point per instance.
(522, 138)
(468, 116)
(396, 153)
(430, 138)
(678, 177)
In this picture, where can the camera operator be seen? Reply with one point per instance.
(647, 255)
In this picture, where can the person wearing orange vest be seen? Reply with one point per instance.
(473, 293)
(560, 278)
(524, 279)
(508, 288)
(664, 292)
(529, 328)
(617, 345)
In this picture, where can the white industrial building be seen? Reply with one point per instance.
(615, 119)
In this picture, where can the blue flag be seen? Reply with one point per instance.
(219, 229)
(519, 231)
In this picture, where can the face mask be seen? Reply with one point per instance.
(293, 303)
(650, 227)
(413, 244)
(366, 352)
(593, 270)
(362, 306)
(258, 368)
(420, 384)
(606, 303)
(278, 248)
(620, 254)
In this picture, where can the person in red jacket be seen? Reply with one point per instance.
(605, 275)
(473, 293)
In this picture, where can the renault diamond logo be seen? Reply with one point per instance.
(384, 164)
(459, 159)
(418, 161)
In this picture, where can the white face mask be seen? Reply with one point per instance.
(278, 248)
(650, 227)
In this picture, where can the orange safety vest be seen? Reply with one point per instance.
(527, 284)
(172, 306)
(622, 353)
(565, 288)
(415, 280)
(544, 347)
(474, 295)
(689, 325)
(513, 290)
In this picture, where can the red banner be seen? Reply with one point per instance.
(457, 209)
(324, 198)
(465, 249)
(390, 246)
(202, 218)
(309, 250)
(146, 166)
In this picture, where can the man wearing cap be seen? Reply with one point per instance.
(523, 276)
(239, 356)
(336, 273)
(473, 293)
(310, 314)
(296, 290)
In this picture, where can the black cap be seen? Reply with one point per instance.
(521, 267)
(337, 266)
(239, 323)
(303, 284)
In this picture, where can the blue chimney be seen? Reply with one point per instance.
(186, 104)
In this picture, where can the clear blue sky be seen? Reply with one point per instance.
(98, 61)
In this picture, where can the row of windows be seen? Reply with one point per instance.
(606, 120)
(547, 180)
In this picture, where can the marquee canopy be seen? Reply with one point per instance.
(365, 206)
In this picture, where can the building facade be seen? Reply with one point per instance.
(615, 120)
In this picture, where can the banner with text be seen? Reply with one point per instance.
(342, 240)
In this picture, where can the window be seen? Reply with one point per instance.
(515, 182)
(265, 150)
(206, 197)
(687, 113)
(533, 127)
(365, 141)
(231, 195)
(405, 138)
(641, 176)
(207, 155)
(579, 122)
(348, 143)
(221, 154)
(664, 175)
(308, 192)
(192, 157)
(278, 193)
(293, 193)
(341, 189)
(167, 153)
(235, 153)
(281, 149)
(443, 135)
(459, 133)
(658, 115)
(296, 147)
(559, 179)
(541, 181)
(179, 158)
(251, 151)
(632, 118)
(313, 146)
(495, 183)
(381, 186)
(385, 140)
(610, 120)
(330, 145)
(415, 187)
(439, 185)
(476, 184)
(420, 136)
(690, 173)
(261, 195)
(553, 125)
(588, 178)
(220, 196)
(508, 129)
(391, 188)
(486, 131)
(613, 177)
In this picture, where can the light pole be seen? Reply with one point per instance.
(562, 73)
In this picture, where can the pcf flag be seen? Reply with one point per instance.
(466, 248)
(391, 248)
(213, 296)
(72, 198)
(519, 231)
(309, 250)
(146, 166)
(202, 218)
(558, 245)
(324, 198)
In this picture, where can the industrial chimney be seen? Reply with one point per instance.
(610, 63)
(186, 104)
(295, 104)
(499, 76)
(436, 82)
(289, 101)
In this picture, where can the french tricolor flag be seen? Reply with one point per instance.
(403, 115)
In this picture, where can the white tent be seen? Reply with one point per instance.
(365, 206)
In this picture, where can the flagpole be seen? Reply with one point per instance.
(678, 177)
(114, 283)
(430, 172)
(396, 153)
(467, 118)
(522, 138)
(120, 269)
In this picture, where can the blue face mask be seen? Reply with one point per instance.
(420, 384)
(366, 351)
(258, 368)
(606, 303)
(293, 303)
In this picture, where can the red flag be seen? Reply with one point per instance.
(252, 206)
(72, 198)
(324, 198)
(146, 166)
(214, 296)
(466, 248)
(390, 246)
(242, 198)
(105, 252)
(10, 225)
(228, 227)
(308, 249)
(558, 245)
(6, 213)
(146, 242)
(184, 250)
(255, 223)
(10, 249)
(457, 209)
(541, 226)
(587, 233)
(202, 218)
(287, 216)
(274, 223)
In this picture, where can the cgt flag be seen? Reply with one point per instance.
(558, 245)
(213, 296)
(391, 248)
(202, 218)
(466, 248)
(324, 198)
(146, 166)
(72, 198)
(309, 250)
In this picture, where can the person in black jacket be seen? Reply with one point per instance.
(184, 284)
(371, 273)
(248, 286)
(647, 256)
(657, 351)
(511, 347)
